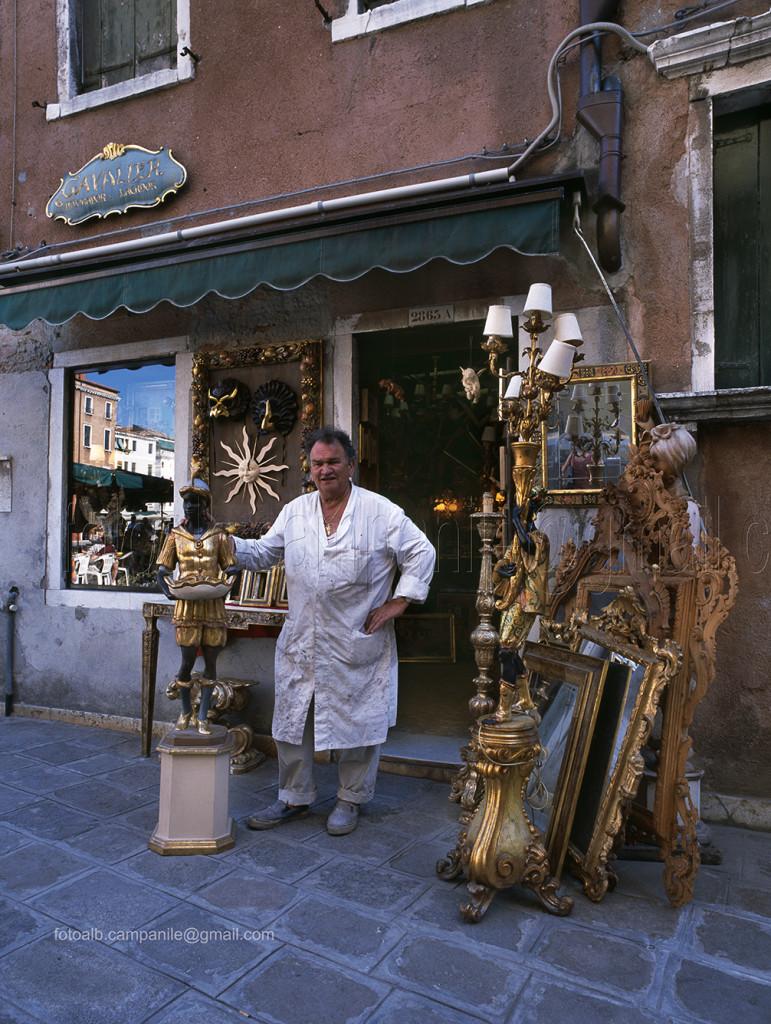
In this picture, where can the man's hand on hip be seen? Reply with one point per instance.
(379, 616)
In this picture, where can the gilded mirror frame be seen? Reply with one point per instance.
(630, 379)
(611, 783)
(552, 665)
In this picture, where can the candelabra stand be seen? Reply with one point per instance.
(502, 848)
(465, 786)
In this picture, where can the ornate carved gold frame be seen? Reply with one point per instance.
(686, 586)
(631, 379)
(619, 629)
(307, 353)
(553, 664)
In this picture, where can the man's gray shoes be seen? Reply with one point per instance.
(276, 814)
(343, 818)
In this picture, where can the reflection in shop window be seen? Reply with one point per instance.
(120, 510)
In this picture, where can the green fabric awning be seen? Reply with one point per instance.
(461, 231)
(153, 488)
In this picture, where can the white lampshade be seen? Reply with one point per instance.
(574, 424)
(595, 389)
(514, 388)
(611, 391)
(538, 300)
(498, 322)
(558, 361)
(578, 393)
(566, 329)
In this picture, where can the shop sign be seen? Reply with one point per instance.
(114, 181)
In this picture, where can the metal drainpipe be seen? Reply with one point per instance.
(600, 111)
(10, 607)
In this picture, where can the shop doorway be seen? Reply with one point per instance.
(425, 446)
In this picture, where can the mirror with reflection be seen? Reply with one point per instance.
(637, 668)
(585, 441)
(566, 688)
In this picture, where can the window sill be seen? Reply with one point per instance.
(122, 91)
(114, 600)
(353, 24)
(730, 406)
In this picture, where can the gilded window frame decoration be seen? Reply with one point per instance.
(628, 375)
(586, 674)
(620, 630)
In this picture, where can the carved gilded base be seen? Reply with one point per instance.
(229, 695)
(498, 846)
(467, 788)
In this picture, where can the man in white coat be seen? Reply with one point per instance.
(336, 661)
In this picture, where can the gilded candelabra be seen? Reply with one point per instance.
(498, 846)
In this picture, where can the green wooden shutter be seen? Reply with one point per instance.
(742, 237)
(122, 39)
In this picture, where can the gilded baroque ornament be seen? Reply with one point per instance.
(250, 471)
(643, 539)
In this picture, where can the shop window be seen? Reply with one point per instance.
(110, 50)
(362, 17)
(742, 234)
(118, 517)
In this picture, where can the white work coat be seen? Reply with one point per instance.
(333, 583)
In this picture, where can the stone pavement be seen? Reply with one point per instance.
(295, 926)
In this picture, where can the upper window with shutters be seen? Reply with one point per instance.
(362, 17)
(111, 50)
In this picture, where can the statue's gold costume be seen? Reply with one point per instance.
(199, 622)
(524, 594)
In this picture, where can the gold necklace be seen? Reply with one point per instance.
(328, 522)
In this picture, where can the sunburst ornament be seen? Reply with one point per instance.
(250, 471)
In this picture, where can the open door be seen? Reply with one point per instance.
(425, 446)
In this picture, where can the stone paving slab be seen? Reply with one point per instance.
(548, 1001)
(505, 926)
(109, 843)
(738, 941)
(246, 898)
(49, 819)
(701, 992)
(338, 933)
(278, 855)
(42, 779)
(20, 925)
(32, 868)
(178, 875)
(294, 987)
(194, 1007)
(107, 762)
(611, 963)
(462, 976)
(101, 799)
(83, 982)
(198, 947)
(103, 900)
(385, 892)
(408, 1008)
